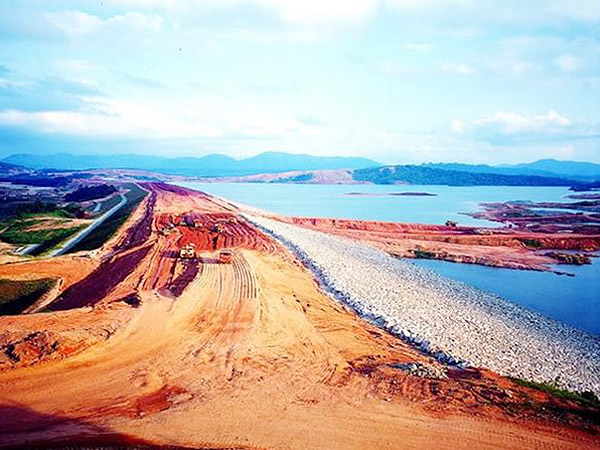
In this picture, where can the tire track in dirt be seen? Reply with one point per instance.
(225, 292)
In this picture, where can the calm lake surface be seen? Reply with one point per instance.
(574, 300)
(332, 200)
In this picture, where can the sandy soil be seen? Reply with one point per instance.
(6, 253)
(245, 355)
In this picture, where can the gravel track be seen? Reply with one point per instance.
(446, 318)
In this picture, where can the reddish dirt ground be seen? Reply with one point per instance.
(490, 247)
(195, 353)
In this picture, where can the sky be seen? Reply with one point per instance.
(397, 81)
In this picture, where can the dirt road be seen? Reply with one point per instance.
(245, 355)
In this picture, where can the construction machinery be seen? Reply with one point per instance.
(217, 228)
(189, 221)
(167, 230)
(225, 256)
(188, 251)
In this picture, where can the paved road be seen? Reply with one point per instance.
(26, 249)
(83, 233)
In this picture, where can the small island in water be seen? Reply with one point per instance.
(391, 194)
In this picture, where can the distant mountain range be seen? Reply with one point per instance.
(11, 169)
(206, 166)
(430, 175)
(583, 171)
(545, 172)
(565, 168)
(306, 168)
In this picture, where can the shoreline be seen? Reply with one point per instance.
(493, 246)
(417, 304)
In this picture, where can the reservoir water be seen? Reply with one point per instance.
(574, 300)
(333, 200)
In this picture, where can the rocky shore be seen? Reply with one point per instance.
(454, 322)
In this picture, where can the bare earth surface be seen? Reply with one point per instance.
(139, 346)
(488, 246)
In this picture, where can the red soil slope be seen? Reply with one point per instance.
(244, 355)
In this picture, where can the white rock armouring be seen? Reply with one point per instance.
(444, 315)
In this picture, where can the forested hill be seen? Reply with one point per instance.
(430, 175)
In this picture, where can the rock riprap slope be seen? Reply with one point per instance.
(445, 317)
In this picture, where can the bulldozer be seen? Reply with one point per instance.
(226, 256)
(188, 252)
(217, 228)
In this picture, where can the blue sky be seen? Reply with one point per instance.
(399, 81)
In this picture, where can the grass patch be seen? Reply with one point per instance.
(302, 178)
(532, 243)
(586, 399)
(103, 233)
(15, 233)
(424, 254)
(16, 296)
(51, 243)
(87, 193)
(110, 203)
(14, 229)
(61, 213)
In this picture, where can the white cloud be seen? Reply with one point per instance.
(7, 83)
(76, 24)
(104, 117)
(74, 65)
(511, 123)
(582, 10)
(462, 13)
(527, 55)
(417, 47)
(458, 126)
(320, 11)
(568, 63)
(137, 21)
(521, 68)
(422, 4)
(304, 12)
(390, 68)
(457, 68)
(506, 128)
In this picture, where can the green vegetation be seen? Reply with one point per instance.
(424, 254)
(532, 243)
(103, 233)
(586, 399)
(302, 178)
(109, 204)
(26, 210)
(430, 175)
(15, 229)
(15, 232)
(53, 242)
(35, 207)
(16, 296)
(86, 193)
